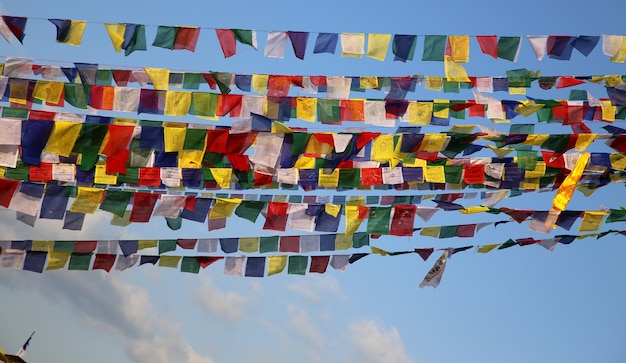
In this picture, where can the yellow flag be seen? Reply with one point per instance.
(87, 200)
(353, 222)
(608, 111)
(169, 261)
(377, 46)
(160, 77)
(44, 246)
(537, 172)
(276, 264)
(566, 190)
(304, 162)
(174, 138)
(382, 148)
(378, 251)
(190, 159)
(147, 243)
(259, 83)
(75, 35)
(527, 108)
(177, 103)
(592, 220)
(57, 260)
(433, 142)
(433, 83)
(48, 91)
(116, 33)
(223, 208)
(420, 113)
(330, 180)
(517, 90)
(454, 71)
(584, 140)
(474, 209)
(306, 108)
(366, 82)
(430, 231)
(18, 91)
(101, 176)
(620, 56)
(343, 241)
(63, 137)
(434, 174)
(249, 245)
(530, 183)
(536, 139)
(618, 161)
(459, 48)
(332, 209)
(280, 128)
(222, 176)
(487, 248)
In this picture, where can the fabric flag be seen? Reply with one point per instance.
(508, 48)
(134, 38)
(143, 205)
(434, 47)
(488, 44)
(228, 41)
(275, 45)
(255, 267)
(352, 45)
(276, 264)
(403, 47)
(538, 43)
(377, 46)
(234, 265)
(16, 25)
(298, 43)
(69, 31)
(35, 261)
(454, 71)
(22, 350)
(326, 43)
(125, 262)
(566, 189)
(433, 277)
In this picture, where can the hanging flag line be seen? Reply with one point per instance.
(514, 82)
(254, 266)
(384, 113)
(132, 37)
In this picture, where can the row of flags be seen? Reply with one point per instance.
(276, 85)
(132, 37)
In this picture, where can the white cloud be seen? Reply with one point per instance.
(317, 288)
(301, 323)
(228, 305)
(112, 305)
(375, 344)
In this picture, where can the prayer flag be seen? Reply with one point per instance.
(69, 31)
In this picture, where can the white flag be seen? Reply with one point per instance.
(433, 277)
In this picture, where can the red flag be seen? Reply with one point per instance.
(488, 44)
(403, 220)
(7, 189)
(227, 42)
(143, 204)
(319, 264)
(104, 262)
(186, 38)
(276, 217)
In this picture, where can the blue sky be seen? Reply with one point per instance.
(521, 304)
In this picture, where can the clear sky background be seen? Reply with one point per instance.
(522, 304)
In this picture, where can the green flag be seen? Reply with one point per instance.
(434, 48)
(297, 265)
(378, 220)
(80, 261)
(268, 244)
(167, 245)
(138, 41)
(116, 201)
(64, 246)
(508, 48)
(249, 209)
(190, 264)
(165, 37)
